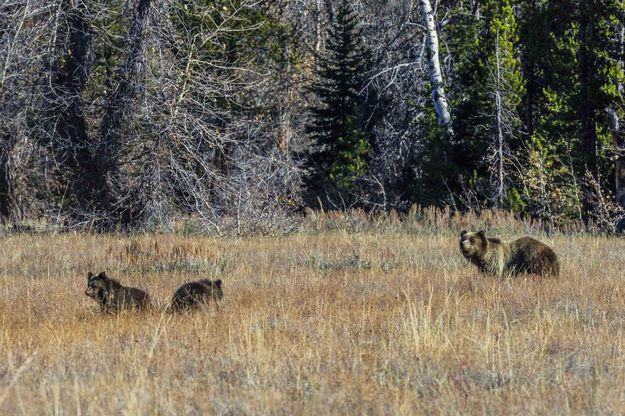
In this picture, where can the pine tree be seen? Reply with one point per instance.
(338, 126)
(572, 77)
(485, 86)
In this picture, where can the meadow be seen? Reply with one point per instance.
(383, 319)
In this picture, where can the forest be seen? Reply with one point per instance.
(242, 114)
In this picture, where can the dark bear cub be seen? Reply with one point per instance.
(497, 257)
(194, 294)
(112, 296)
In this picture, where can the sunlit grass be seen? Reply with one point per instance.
(393, 322)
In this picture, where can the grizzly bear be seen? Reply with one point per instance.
(496, 257)
(112, 296)
(194, 294)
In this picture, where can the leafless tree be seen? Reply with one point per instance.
(505, 126)
(21, 34)
(134, 123)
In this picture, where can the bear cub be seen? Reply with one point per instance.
(496, 257)
(194, 294)
(112, 296)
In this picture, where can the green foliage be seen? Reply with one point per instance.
(338, 124)
(477, 74)
(551, 189)
(569, 50)
(350, 162)
(515, 201)
(558, 70)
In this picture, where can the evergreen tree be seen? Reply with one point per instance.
(339, 123)
(548, 49)
(485, 86)
(568, 54)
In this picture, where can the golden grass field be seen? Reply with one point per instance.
(332, 322)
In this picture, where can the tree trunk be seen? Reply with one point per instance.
(618, 140)
(500, 139)
(530, 95)
(587, 110)
(618, 132)
(118, 105)
(7, 200)
(65, 115)
(434, 67)
(9, 28)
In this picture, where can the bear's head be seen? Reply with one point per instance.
(100, 286)
(473, 244)
(96, 285)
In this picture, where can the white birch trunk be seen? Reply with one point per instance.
(434, 66)
(318, 25)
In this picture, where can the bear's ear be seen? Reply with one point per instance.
(101, 275)
(462, 233)
(217, 283)
(89, 277)
(482, 234)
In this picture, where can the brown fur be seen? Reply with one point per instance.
(112, 296)
(497, 257)
(193, 294)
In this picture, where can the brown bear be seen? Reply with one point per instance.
(112, 296)
(496, 257)
(194, 294)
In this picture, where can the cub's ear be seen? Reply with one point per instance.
(482, 234)
(89, 277)
(217, 283)
(101, 275)
(462, 233)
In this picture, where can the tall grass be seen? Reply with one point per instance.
(381, 319)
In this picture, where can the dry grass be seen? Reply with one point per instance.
(335, 322)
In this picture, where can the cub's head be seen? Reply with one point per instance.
(473, 244)
(216, 285)
(97, 285)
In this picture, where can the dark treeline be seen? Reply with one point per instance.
(132, 113)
